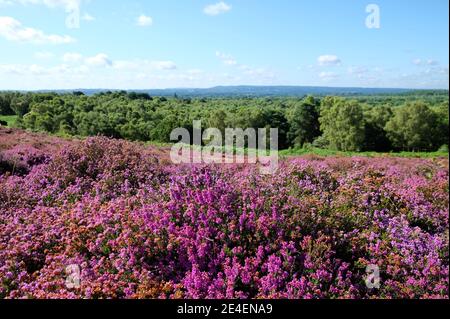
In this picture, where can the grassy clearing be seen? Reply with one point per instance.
(318, 152)
(323, 152)
(10, 119)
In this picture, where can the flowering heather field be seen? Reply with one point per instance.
(139, 227)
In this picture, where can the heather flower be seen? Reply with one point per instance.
(138, 228)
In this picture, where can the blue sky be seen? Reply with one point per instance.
(203, 43)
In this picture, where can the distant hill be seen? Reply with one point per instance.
(261, 91)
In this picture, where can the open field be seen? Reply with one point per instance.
(136, 226)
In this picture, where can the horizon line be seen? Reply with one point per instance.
(226, 86)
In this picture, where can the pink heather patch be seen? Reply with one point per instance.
(139, 227)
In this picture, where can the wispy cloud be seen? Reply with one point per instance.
(251, 73)
(163, 65)
(328, 76)
(66, 4)
(76, 70)
(99, 60)
(217, 8)
(13, 30)
(72, 57)
(357, 70)
(87, 17)
(226, 58)
(38, 70)
(425, 62)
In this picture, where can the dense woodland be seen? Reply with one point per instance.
(416, 121)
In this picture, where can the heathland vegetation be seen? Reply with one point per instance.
(107, 218)
(416, 121)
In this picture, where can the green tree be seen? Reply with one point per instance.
(217, 119)
(342, 124)
(164, 127)
(414, 127)
(275, 118)
(304, 122)
(442, 112)
(376, 138)
(5, 105)
(21, 104)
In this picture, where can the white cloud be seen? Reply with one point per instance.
(68, 5)
(226, 58)
(43, 55)
(47, 3)
(75, 64)
(217, 8)
(72, 57)
(434, 70)
(71, 76)
(99, 60)
(328, 60)
(144, 21)
(56, 3)
(423, 62)
(87, 17)
(254, 74)
(126, 65)
(13, 30)
(195, 72)
(4, 3)
(38, 70)
(10, 68)
(426, 78)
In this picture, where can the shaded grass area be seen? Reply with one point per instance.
(10, 119)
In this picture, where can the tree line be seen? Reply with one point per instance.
(335, 123)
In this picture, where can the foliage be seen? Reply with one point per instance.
(414, 127)
(343, 125)
(320, 151)
(365, 123)
(304, 123)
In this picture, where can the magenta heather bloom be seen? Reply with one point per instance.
(135, 227)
